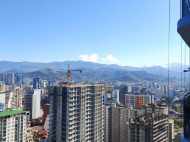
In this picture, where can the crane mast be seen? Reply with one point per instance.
(69, 74)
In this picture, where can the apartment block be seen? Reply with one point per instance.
(152, 108)
(171, 130)
(76, 113)
(116, 123)
(13, 125)
(136, 101)
(149, 128)
(120, 118)
(10, 79)
(107, 123)
(32, 98)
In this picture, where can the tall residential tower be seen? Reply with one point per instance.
(76, 113)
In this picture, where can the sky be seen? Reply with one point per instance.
(119, 32)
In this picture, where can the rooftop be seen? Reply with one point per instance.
(76, 85)
(11, 112)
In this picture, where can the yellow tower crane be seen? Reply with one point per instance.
(69, 74)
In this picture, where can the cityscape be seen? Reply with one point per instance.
(110, 94)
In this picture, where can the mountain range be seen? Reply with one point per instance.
(91, 71)
(14, 67)
(102, 75)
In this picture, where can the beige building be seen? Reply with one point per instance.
(116, 120)
(120, 126)
(120, 130)
(3, 87)
(152, 108)
(171, 130)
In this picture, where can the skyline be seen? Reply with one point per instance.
(107, 32)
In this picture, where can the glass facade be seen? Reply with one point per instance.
(187, 116)
(185, 7)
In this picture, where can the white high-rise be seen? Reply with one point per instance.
(36, 98)
(2, 101)
(32, 98)
(115, 94)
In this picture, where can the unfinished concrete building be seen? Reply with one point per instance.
(76, 113)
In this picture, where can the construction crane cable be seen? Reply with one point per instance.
(181, 64)
(184, 64)
(181, 73)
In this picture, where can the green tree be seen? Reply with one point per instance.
(177, 108)
(177, 138)
(164, 95)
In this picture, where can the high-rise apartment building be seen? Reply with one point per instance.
(26, 81)
(149, 128)
(123, 89)
(2, 101)
(116, 120)
(10, 79)
(36, 83)
(4, 79)
(159, 93)
(9, 100)
(13, 125)
(120, 128)
(3, 86)
(171, 130)
(117, 126)
(76, 113)
(136, 101)
(115, 94)
(107, 123)
(152, 108)
(32, 98)
(19, 78)
(18, 100)
(36, 100)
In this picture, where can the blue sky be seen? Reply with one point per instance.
(105, 31)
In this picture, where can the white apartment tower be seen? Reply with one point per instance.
(36, 98)
(76, 113)
(32, 98)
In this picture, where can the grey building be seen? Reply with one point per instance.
(76, 113)
(36, 83)
(149, 128)
(123, 89)
(10, 79)
(4, 79)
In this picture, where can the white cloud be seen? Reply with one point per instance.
(110, 58)
(89, 58)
